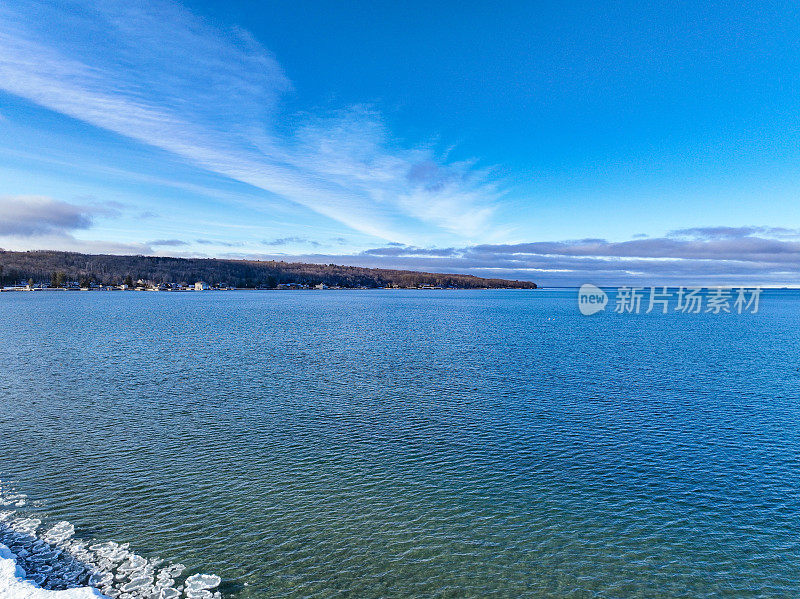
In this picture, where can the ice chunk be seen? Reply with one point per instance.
(17, 500)
(59, 533)
(137, 584)
(202, 581)
(111, 551)
(132, 564)
(173, 570)
(26, 526)
(101, 579)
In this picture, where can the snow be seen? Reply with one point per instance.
(14, 586)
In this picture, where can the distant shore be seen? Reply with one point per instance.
(52, 269)
(23, 289)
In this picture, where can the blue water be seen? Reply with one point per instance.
(413, 443)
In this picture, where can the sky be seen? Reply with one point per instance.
(605, 142)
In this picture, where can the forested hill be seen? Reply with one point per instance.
(46, 266)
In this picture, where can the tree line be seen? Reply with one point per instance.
(57, 268)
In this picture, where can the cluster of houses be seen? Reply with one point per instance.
(302, 286)
(145, 286)
(141, 285)
(138, 286)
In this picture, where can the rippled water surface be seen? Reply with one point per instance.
(430, 444)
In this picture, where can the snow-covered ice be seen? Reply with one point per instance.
(14, 586)
(53, 564)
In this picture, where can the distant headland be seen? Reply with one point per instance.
(43, 269)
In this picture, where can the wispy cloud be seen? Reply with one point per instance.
(165, 78)
(290, 240)
(402, 251)
(227, 244)
(167, 242)
(735, 232)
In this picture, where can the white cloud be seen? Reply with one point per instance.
(68, 243)
(38, 222)
(24, 216)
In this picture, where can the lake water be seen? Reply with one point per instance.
(413, 443)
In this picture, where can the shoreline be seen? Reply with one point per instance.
(51, 563)
(39, 289)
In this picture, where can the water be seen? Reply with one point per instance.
(413, 444)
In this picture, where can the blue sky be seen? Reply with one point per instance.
(559, 143)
